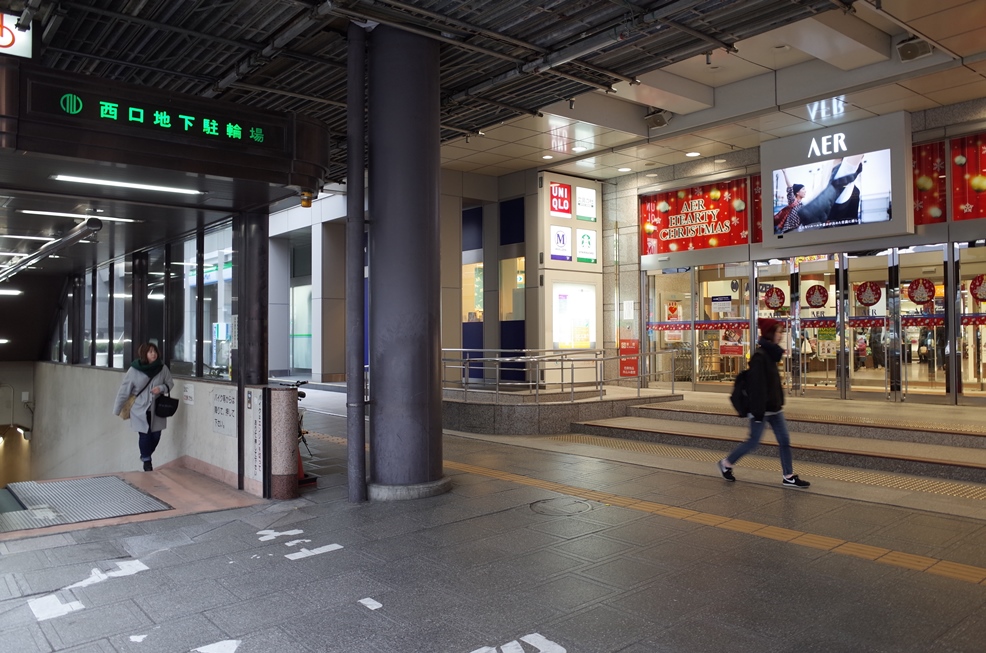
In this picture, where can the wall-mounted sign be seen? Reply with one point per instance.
(774, 298)
(585, 203)
(561, 200)
(722, 304)
(708, 216)
(868, 293)
(629, 366)
(672, 313)
(585, 246)
(162, 120)
(921, 291)
(561, 243)
(817, 296)
(12, 40)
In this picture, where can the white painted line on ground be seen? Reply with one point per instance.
(226, 646)
(543, 644)
(49, 607)
(138, 638)
(370, 603)
(512, 647)
(125, 568)
(305, 553)
(268, 535)
(293, 542)
(485, 649)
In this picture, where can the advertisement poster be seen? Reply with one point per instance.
(561, 243)
(929, 183)
(968, 177)
(561, 200)
(827, 342)
(585, 203)
(629, 366)
(672, 313)
(574, 316)
(585, 248)
(714, 215)
(731, 342)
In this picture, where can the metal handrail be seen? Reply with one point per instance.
(574, 367)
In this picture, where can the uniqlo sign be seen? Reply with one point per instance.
(561, 200)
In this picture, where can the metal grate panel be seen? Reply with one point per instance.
(70, 501)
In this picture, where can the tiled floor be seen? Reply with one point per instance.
(535, 549)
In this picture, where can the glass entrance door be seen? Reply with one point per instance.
(869, 321)
(970, 354)
(820, 340)
(923, 357)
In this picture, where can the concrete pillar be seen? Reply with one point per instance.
(279, 307)
(329, 302)
(405, 349)
(250, 265)
(283, 423)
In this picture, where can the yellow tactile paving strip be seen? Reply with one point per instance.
(967, 573)
(864, 476)
(958, 571)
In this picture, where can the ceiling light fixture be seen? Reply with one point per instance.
(693, 154)
(571, 104)
(126, 184)
(719, 161)
(77, 216)
(3, 341)
(19, 254)
(651, 174)
(579, 148)
(15, 236)
(547, 156)
(623, 169)
(10, 291)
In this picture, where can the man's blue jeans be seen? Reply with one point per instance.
(779, 427)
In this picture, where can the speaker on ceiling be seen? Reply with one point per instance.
(913, 48)
(657, 118)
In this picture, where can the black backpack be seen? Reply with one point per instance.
(740, 396)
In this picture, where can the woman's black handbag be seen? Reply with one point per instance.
(165, 406)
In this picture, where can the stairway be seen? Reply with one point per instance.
(933, 441)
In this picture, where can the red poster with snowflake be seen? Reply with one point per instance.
(929, 183)
(694, 218)
(969, 177)
(757, 229)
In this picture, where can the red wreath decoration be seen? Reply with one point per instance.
(817, 296)
(868, 293)
(921, 291)
(774, 297)
(978, 287)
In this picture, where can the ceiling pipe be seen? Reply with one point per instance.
(24, 22)
(80, 232)
(585, 47)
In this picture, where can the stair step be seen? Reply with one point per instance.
(964, 463)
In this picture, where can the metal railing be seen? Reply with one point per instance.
(548, 373)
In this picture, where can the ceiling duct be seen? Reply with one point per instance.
(657, 118)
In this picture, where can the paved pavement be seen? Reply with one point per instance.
(533, 550)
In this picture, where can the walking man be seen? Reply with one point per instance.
(766, 404)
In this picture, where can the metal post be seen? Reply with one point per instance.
(355, 296)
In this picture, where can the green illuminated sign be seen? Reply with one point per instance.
(164, 118)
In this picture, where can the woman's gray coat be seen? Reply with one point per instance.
(132, 383)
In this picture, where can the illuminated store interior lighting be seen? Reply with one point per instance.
(126, 184)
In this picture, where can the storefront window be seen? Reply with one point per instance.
(669, 324)
(217, 292)
(155, 297)
(301, 324)
(472, 292)
(87, 334)
(972, 338)
(512, 285)
(182, 298)
(723, 321)
(104, 345)
(123, 351)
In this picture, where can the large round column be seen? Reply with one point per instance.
(405, 336)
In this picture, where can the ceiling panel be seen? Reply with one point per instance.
(942, 80)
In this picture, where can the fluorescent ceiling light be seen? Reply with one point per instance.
(190, 265)
(126, 184)
(623, 169)
(693, 154)
(651, 174)
(10, 291)
(155, 296)
(719, 161)
(77, 216)
(547, 156)
(579, 148)
(26, 237)
(17, 254)
(3, 341)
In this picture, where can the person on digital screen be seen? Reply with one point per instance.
(836, 204)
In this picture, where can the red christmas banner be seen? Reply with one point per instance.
(969, 177)
(918, 321)
(755, 209)
(921, 291)
(817, 296)
(866, 322)
(868, 293)
(714, 215)
(929, 183)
